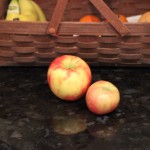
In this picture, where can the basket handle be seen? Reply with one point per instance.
(56, 17)
(101, 7)
(111, 17)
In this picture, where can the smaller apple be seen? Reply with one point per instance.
(69, 77)
(102, 97)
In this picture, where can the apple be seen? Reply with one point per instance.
(69, 77)
(102, 97)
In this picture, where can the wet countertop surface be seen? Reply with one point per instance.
(32, 118)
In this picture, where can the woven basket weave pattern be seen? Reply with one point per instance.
(19, 49)
(30, 45)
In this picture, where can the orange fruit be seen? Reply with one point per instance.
(145, 17)
(122, 18)
(90, 18)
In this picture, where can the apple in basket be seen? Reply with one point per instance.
(102, 97)
(69, 77)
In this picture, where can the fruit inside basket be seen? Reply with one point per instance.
(111, 41)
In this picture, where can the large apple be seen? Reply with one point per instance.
(69, 77)
(102, 97)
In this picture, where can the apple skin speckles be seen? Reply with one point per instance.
(102, 97)
(69, 77)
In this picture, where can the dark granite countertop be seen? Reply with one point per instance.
(32, 118)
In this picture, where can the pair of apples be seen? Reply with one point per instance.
(69, 78)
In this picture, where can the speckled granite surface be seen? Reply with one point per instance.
(32, 118)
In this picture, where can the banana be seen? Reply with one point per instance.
(27, 11)
(13, 10)
(40, 12)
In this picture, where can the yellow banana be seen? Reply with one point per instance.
(40, 12)
(27, 17)
(27, 11)
(13, 10)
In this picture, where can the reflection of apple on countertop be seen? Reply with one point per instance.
(106, 130)
(66, 123)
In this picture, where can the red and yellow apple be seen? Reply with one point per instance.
(102, 97)
(69, 77)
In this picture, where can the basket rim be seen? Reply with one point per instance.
(72, 28)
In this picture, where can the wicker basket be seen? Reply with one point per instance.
(99, 44)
